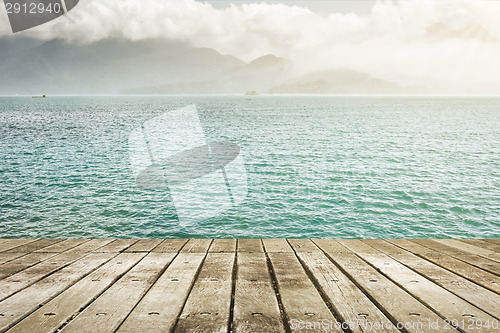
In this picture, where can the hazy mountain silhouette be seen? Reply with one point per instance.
(340, 81)
(260, 74)
(107, 67)
(13, 45)
(160, 67)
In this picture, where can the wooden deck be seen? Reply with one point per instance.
(249, 285)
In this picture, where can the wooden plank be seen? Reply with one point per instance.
(196, 246)
(160, 307)
(471, 292)
(330, 246)
(412, 246)
(170, 245)
(36, 245)
(250, 245)
(23, 262)
(89, 246)
(482, 243)
(276, 245)
(357, 246)
(6, 257)
(436, 297)
(478, 261)
(62, 308)
(301, 301)
(28, 300)
(397, 304)
(208, 305)
(223, 245)
(7, 244)
(23, 279)
(353, 308)
(303, 245)
(470, 248)
(255, 304)
(144, 245)
(63, 246)
(474, 274)
(359, 282)
(118, 245)
(108, 311)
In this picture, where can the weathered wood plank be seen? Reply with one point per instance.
(28, 300)
(55, 313)
(144, 245)
(45, 284)
(478, 261)
(62, 246)
(330, 246)
(255, 304)
(24, 278)
(223, 245)
(208, 305)
(34, 273)
(436, 297)
(33, 246)
(301, 301)
(6, 257)
(159, 309)
(250, 245)
(23, 262)
(276, 245)
(108, 311)
(170, 245)
(303, 245)
(397, 304)
(482, 243)
(7, 244)
(471, 292)
(473, 273)
(89, 246)
(118, 245)
(353, 308)
(196, 246)
(470, 248)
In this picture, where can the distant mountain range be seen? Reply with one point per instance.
(116, 66)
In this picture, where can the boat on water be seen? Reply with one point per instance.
(43, 96)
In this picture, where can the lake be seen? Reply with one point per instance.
(314, 167)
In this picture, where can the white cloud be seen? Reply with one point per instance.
(390, 42)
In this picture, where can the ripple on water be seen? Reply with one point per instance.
(339, 167)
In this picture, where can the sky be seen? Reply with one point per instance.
(413, 42)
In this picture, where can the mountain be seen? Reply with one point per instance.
(339, 81)
(14, 45)
(260, 74)
(157, 66)
(107, 67)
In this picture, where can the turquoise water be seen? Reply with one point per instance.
(371, 167)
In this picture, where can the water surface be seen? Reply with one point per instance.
(318, 167)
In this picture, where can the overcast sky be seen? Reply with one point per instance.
(409, 41)
(320, 6)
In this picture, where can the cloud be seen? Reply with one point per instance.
(391, 42)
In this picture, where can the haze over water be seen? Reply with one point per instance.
(318, 167)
